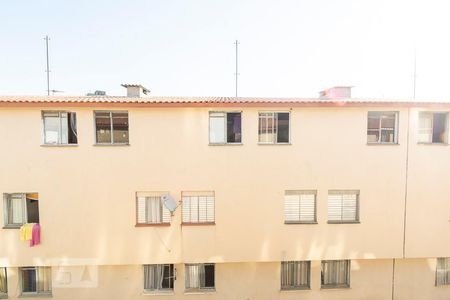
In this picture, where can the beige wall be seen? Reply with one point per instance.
(369, 280)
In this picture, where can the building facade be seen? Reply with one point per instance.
(275, 198)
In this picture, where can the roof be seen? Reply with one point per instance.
(157, 101)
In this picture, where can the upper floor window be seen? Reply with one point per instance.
(111, 127)
(343, 206)
(36, 281)
(150, 209)
(273, 128)
(225, 128)
(300, 206)
(433, 127)
(60, 127)
(3, 283)
(382, 127)
(335, 274)
(200, 277)
(21, 208)
(295, 275)
(158, 278)
(198, 207)
(443, 271)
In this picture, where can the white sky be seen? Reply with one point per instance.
(185, 48)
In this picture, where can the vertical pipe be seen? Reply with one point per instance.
(236, 74)
(48, 70)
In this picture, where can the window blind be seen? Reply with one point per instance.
(198, 208)
(343, 206)
(443, 271)
(300, 206)
(335, 273)
(295, 274)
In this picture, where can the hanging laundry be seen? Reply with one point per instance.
(36, 235)
(26, 231)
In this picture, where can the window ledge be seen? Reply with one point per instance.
(153, 225)
(158, 293)
(295, 289)
(300, 223)
(225, 144)
(112, 145)
(36, 295)
(59, 145)
(200, 292)
(335, 287)
(344, 222)
(274, 144)
(12, 226)
(383, 144)
(434, 144)
(199, 224)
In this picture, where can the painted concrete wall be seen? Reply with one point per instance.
(369, 279)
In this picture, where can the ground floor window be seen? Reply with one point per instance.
(36, 280)
(200, 277)
(295, 275)
(158, 277)
(335, 274)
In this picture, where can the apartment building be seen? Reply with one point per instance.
(143, 197)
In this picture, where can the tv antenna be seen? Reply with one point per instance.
(236, 73)
(56, 91)
(415, 74)
(48, 68)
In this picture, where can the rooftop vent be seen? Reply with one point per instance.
(135, 90)
(338, 92)
(97, 93)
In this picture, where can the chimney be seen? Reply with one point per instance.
(135, 90)
(336, 92)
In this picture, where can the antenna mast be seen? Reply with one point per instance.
(236, 73)
(47, 70)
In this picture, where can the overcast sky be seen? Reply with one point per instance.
(185, 48)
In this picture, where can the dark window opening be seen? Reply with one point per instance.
(439, 127)
(209, 276)
(167, 282)
(29, 280)
(32, 210)
(283, 128)
(233, 127)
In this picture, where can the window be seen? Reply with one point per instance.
(443, 271)
(300, 207)
(60, 127)
(21, 208)
(273, 128)
(199, 277)
(224, 127)
(382, 127)
(150, 208)
(111, 127)
(433, 127)
(158, 278)
(198, 207)
(3, 283)
(36, 280)
(335, 274)
(295, 275)
(343, 206)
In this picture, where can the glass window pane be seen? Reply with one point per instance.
(3, 281)
(16, 209)
(64, 128)
(51, 128)
(388, 121)
(283, 128)
(234, 127)
(373, 122)
(439, 128)
(373, 136)
(387, 136)
(103, 127)
(209, 276)
(120, 127)
(29, 281)
(266, 128)
(217, 128)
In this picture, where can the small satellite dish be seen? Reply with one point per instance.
(169, 202)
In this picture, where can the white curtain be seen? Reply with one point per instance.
(193, 276)
(16, 209)
(44, 275)
(154, 209)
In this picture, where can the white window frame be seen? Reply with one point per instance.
(225, 117)
(443, 271)
(336, 264)
(274, 132)
(111, 127)
(4, 278)
(37, 292)
(6, 205)
(382, 115)
(192, 212)
(294, 268)
(60, 133)
(420, 130)
(142, 209)
(201, 288)
(298, 200)
(344, 193)
(162, 289)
